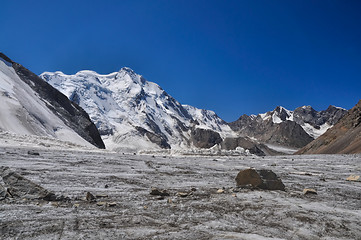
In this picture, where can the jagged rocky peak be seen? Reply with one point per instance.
(343, 137)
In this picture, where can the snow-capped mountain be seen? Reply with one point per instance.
(132, 113)
(293, 128)
(30, 106)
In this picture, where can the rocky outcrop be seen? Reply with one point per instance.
(344, 137)
(16, 186)
(205, 138)
(154, 138)
(69, 112)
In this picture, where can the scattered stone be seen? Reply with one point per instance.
(33, 152)
(101, 204)
(263, 179)
(170, 200)
(157, 192)
(354, 178)
(101, 196)
(76, 205)
(112, 204)
(234, 195)
(309, 191)
(90, 197)
(220, 190)
(183, 194)
(193, 189)
(106, 186)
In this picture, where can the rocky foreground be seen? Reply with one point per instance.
(98, 195)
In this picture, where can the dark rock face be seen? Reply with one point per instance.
(288, 133)
(344, 137)
(263, 179)
(71, 114)
(205, 138)
(154, 138)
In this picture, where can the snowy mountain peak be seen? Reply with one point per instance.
(131, 112)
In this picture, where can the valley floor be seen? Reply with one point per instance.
(199, 213)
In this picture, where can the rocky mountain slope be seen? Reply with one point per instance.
(30, 106)
(289, 128)
(344, 137)
(134, 114)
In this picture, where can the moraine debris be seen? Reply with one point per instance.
(158, 192)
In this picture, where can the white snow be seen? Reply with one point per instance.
(24, 113)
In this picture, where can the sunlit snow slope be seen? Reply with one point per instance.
(23, 112)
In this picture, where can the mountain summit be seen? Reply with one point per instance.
(132, 113)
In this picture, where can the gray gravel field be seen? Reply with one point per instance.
(203, 201)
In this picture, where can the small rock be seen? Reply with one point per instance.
(112, 204)
(34, 153)
(354, 178)
(183, 194)
(101, 196)
(263, 179)
(76, 205)
(157, 192)
(220, 190)
(170, 200)
(234, 195)
(101, 204)
(309, 191)
(106, 186)
(90, 197)
(193, 189)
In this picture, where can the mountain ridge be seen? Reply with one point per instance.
(133, 112)
(41, 109)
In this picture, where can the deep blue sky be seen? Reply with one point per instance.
(233, 57)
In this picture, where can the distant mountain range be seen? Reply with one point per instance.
(134, 114)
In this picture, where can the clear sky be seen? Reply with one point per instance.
(232, 57)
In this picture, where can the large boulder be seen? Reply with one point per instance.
(16, 186)
(263, 179)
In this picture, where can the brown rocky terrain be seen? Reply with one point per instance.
(344, 137)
